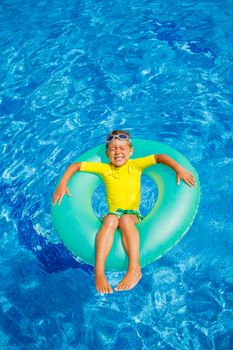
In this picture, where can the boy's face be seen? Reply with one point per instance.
(119, 152)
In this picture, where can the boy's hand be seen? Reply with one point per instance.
(181, 173)
(186, 176)
(59, 193)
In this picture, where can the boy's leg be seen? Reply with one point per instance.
(104, 240)
(130, 239)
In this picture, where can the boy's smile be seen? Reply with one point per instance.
(119, 152)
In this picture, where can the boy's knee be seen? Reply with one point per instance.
(111, 221)
(125, 220)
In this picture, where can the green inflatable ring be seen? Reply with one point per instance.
(168, 221)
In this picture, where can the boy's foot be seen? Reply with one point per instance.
(130, 280)
(101, 284)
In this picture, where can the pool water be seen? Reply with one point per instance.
(70, 72)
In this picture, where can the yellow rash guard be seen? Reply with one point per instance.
(122, 183)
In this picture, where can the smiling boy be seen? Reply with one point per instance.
(122, 181)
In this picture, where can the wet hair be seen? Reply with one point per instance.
(117, 132)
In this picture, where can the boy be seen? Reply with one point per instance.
(122, 181)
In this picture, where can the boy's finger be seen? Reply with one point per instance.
(192, 182)
(68, 193)
(60, 198)
(54, 199)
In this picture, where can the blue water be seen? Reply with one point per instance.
(70, 72)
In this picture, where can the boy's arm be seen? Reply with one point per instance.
(181, 173)
(62, 188)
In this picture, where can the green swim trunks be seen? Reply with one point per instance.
(119, 212)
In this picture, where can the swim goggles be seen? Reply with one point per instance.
(121, 137)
